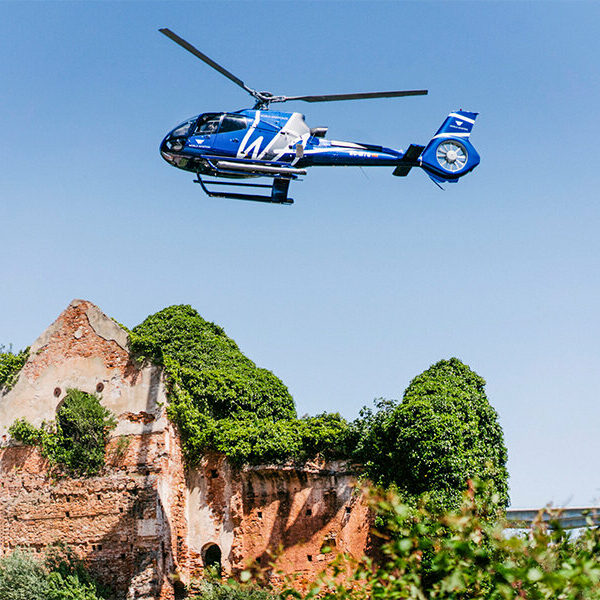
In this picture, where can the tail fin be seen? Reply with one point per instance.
(450, 155)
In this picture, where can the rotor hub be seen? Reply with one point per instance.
(451, 156)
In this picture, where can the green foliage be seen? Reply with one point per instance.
(23, 431)
(10, 367)
(69, 588)
(68, 579)
(76, 441)
(216, 590)
(22, 577)
(222, 401)
(257, 441)
(206, 369)
(443, 433)
(462, 555)
(60, 576)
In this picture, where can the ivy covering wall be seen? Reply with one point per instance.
(443, 432)
(10, 367)
(222, 401)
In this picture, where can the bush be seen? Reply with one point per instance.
(462, 555)
(22, 577)
(222, 401)
(443, 433)
(257, 441)
(59, 576)
(10, 367)
(215, 590)
(68, 579)
(76, 441)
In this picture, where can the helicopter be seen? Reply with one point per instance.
(232, 147)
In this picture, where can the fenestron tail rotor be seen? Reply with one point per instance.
(263, 99)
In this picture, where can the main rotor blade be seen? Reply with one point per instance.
(209, 61)
(360, 96)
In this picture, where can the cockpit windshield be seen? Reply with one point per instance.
(183, 129)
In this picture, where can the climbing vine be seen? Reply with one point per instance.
(442, 433)
(10, 367)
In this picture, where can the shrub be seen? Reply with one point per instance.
(61, 576)
(76, 440)
(257, 441)
(222, 401)
(443, 433)
(215, 590)
(68, 579)
(462, 555)
(22, 577)
(10, 367)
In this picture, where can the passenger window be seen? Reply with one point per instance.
(233, 123)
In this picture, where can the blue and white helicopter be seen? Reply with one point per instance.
(232, 147)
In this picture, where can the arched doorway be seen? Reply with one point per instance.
(211, 556)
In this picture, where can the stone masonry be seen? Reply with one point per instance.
(148, 521)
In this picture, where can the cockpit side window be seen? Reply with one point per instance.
(208, 123)
(208, 127)
(233, 123)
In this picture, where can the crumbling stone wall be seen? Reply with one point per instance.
(117, 522)
(147, 521)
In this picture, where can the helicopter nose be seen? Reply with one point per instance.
(164, 150)
(170, 147)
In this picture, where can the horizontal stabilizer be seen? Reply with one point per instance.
(408, 161)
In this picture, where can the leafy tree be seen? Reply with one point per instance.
(443, 433)
(77, 439)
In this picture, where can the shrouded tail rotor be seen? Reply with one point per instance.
(450, 155)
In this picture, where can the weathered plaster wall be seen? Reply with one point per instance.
(87, 350)
(284, 514)
(147, 521)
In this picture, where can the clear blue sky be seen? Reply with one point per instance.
(366, 280)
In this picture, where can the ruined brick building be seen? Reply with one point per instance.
(148, 520)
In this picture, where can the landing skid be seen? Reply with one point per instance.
(279, 190)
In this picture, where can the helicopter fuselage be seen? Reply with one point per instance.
(269, 137)
(262, 143)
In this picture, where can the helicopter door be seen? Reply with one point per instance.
(231, 134)
(205, 132)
